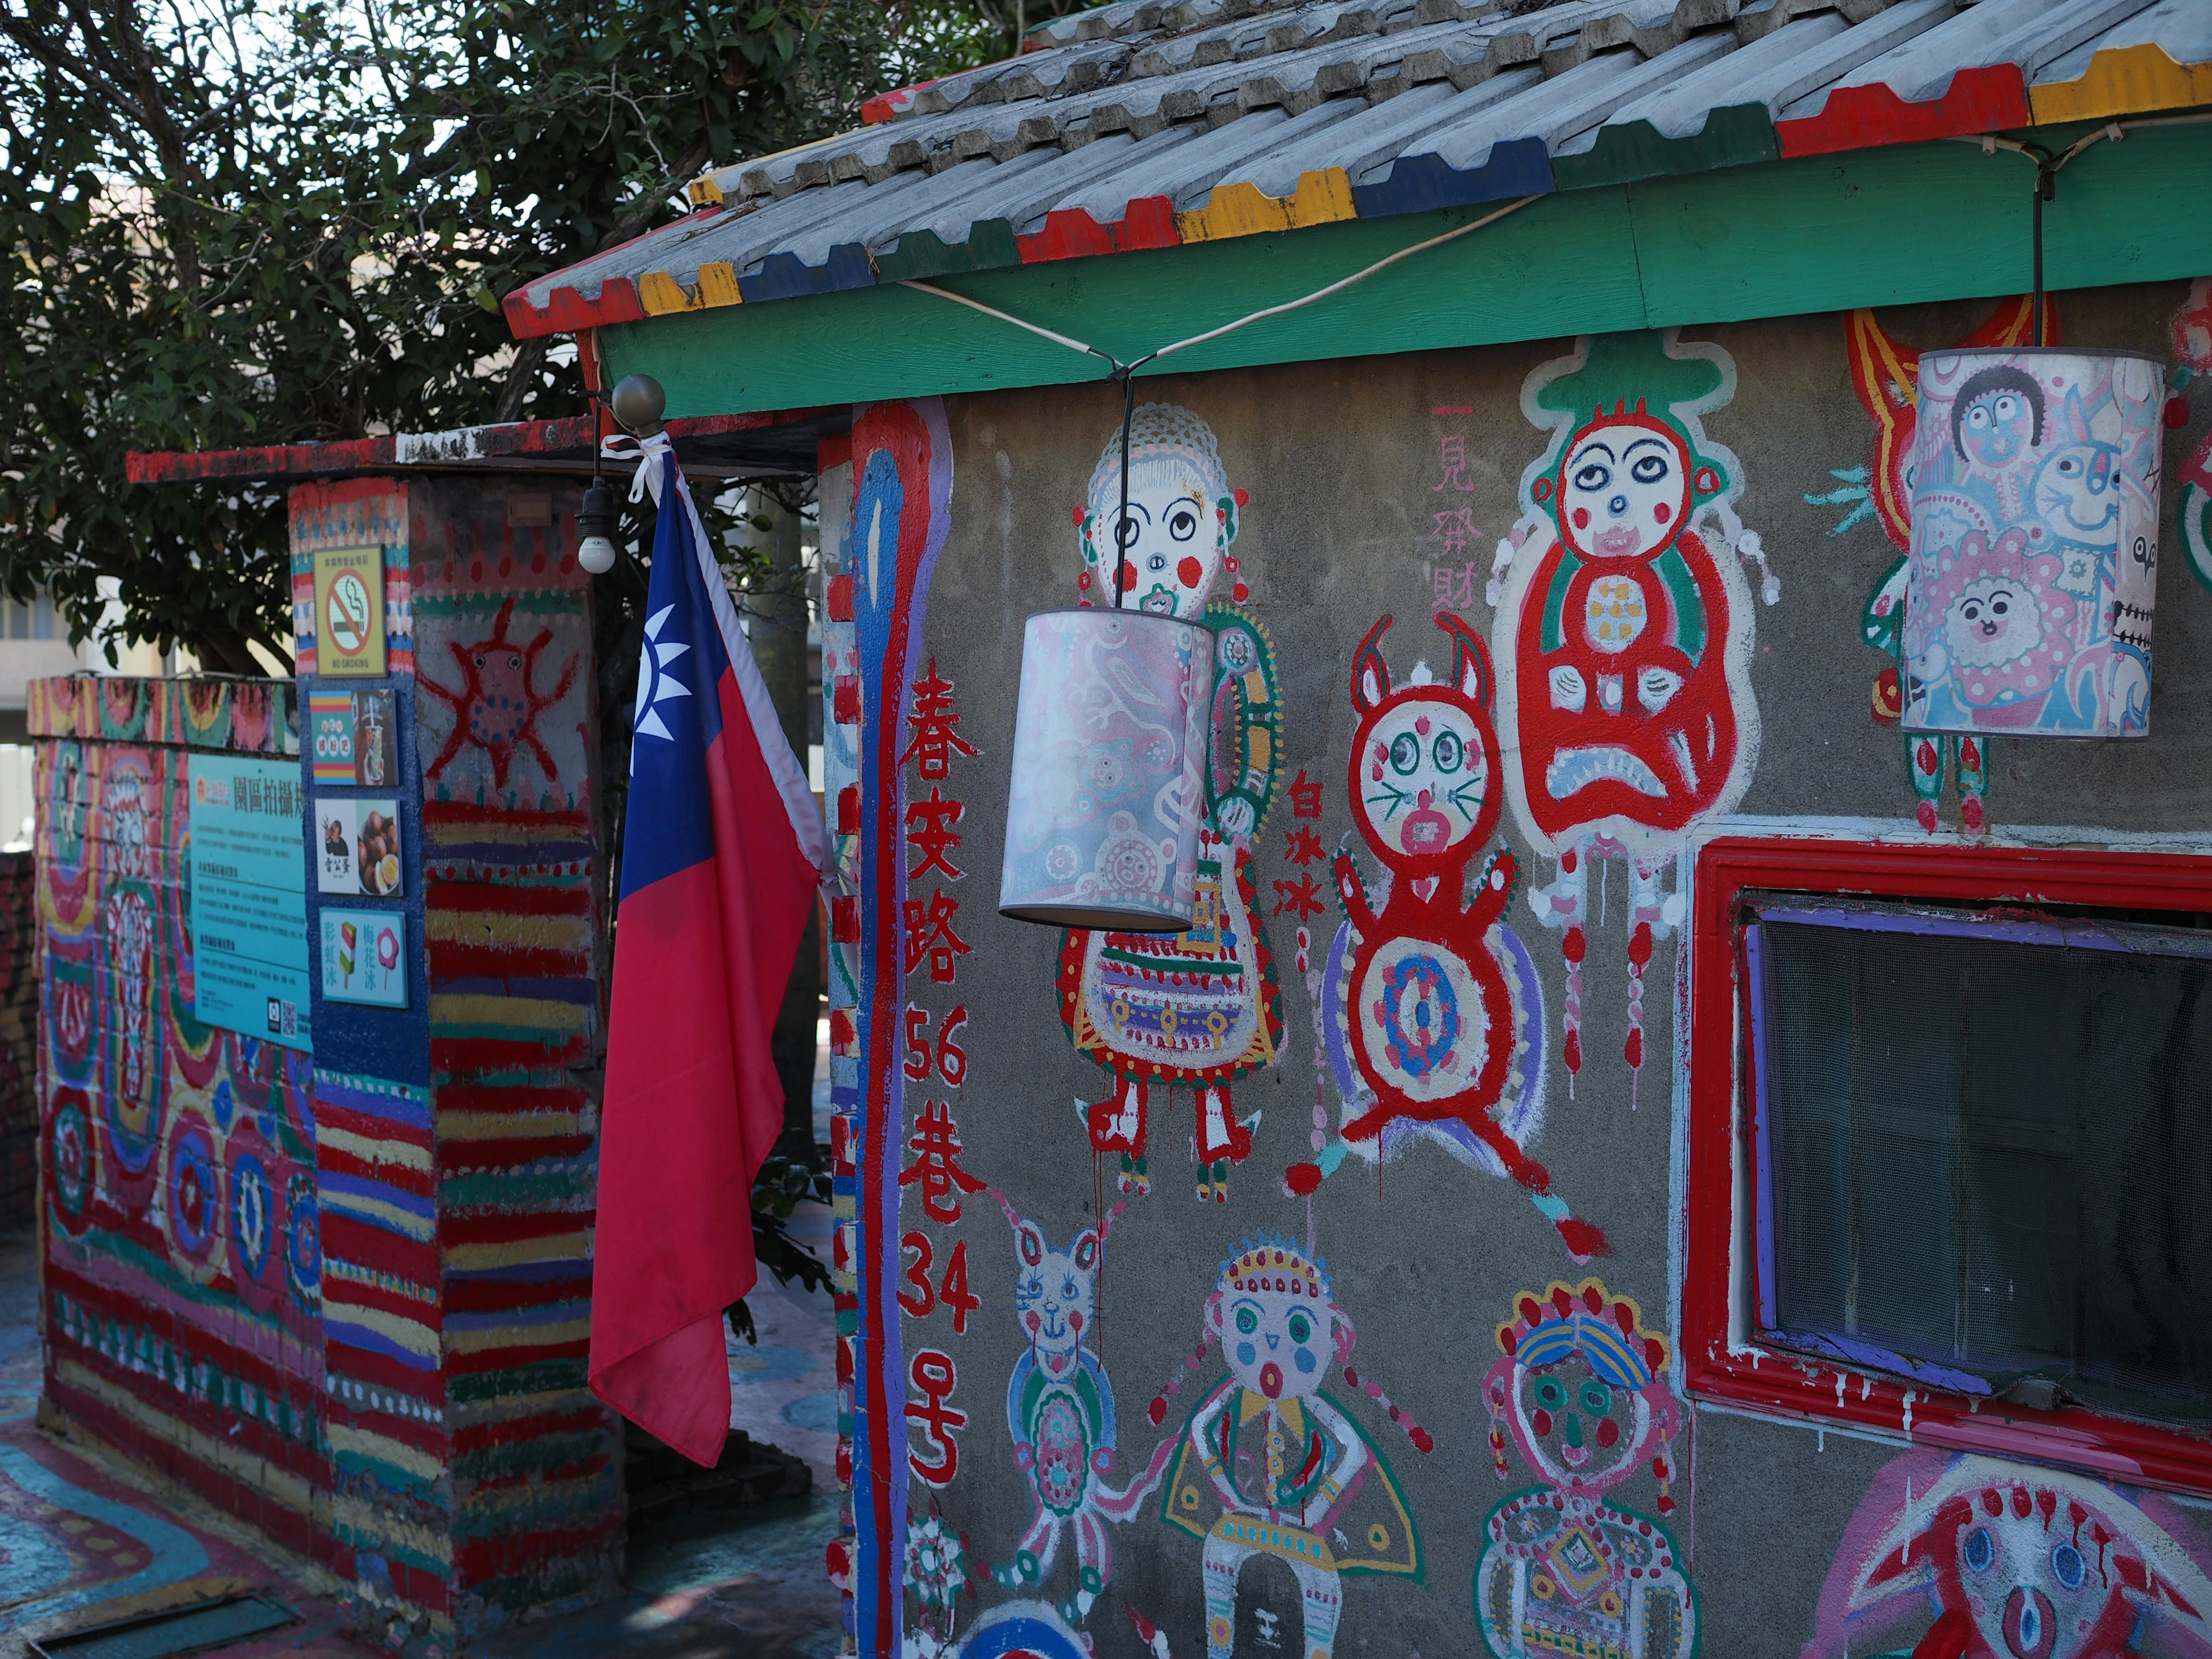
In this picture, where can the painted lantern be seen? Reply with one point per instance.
(1110, 738)
(1198, 1009)
(2034, 565)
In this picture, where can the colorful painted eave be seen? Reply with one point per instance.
(1603, 119)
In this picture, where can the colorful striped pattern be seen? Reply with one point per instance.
(183, 1327)
(512, 936)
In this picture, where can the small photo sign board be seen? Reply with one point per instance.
(351, 737)
(364, 958)
(357, 847)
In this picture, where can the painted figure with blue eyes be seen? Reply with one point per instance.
(1580, 1382)
(1624, 635)
(1198, 1009)
(1269, 1464)
(2012, 1561)
(1430, 1009)
(1060, 1410)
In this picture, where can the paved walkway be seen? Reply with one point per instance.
(85, 1537)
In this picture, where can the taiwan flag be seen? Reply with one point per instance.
(722, 855)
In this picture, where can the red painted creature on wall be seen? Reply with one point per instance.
(1431, 1019)
(1623, 637)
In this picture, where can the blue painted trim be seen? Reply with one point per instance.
(1416, 184)
(785, 276)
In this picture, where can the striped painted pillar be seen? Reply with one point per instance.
(473, 1477)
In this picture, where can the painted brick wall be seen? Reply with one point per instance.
(183, 1326)
(19, 1019)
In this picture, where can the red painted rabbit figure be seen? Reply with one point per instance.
(1432, 1018)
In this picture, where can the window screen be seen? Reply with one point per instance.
(1985, 1148)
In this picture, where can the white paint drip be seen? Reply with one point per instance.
(1908, 1413)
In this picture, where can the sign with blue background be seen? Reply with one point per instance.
(249, 904)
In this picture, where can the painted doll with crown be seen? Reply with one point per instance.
(1269, 1464)
(1582, 1384)
(1202, 1008)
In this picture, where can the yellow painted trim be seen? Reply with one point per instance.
(704, 192)
(359, 1443)
(2123, 80)
(1239, 209)
(661, 294)
(506, 1125)
(538, 1013)
(367, 1523)
(287, 1488)
(518, 1337)
(492, 927)
(407, 1333)
(717, 284)
(373, 1152)
(513, 1252)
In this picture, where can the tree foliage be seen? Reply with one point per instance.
(235, 223)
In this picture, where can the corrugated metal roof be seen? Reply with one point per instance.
(1143, 125)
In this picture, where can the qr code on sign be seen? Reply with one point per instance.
(283, 1017)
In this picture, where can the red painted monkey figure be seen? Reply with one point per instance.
(1430, 1014)
(1625, 638)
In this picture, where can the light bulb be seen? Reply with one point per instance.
(596, 552)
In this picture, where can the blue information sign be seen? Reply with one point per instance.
(249, 875)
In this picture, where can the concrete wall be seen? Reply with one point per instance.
(1365, 488)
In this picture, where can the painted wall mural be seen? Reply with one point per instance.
(1269, 1465)
(1979, 1559)
(1624, 639)
(1060, 1410)
(2034, 533)
(182, 1261)
(1886, 376)
(1200, 1009)
(2190, 337)
(1428, 999)
(1580, 1384)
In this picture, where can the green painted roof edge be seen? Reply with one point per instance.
(1931, 222)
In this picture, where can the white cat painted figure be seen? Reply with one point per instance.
(1060, 1410)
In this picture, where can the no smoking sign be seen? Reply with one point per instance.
(349, 609)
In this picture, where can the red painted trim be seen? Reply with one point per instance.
(1780, 1385)
(482, 444)
(566, 312)
(186, 467)
(1865, 118)
(1072, 234)
(836, 450)
(587, 359)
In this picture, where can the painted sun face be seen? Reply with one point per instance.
(1994, 621)
(1996, 427)
(1423, 777)
(1277, 1342)
(1578, 1429)
(1171, 543)
(1623, 491)
(2076, 493)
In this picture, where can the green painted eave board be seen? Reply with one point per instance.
(1874, 228)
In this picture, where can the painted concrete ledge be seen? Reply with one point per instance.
(1929, 222)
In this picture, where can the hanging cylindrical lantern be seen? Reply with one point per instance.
(1107, 788)
(2035, 558)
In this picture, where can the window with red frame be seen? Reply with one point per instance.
(1952, 1134)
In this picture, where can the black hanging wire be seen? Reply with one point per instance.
(2046, 190)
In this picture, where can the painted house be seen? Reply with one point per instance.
(1802, 1252)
